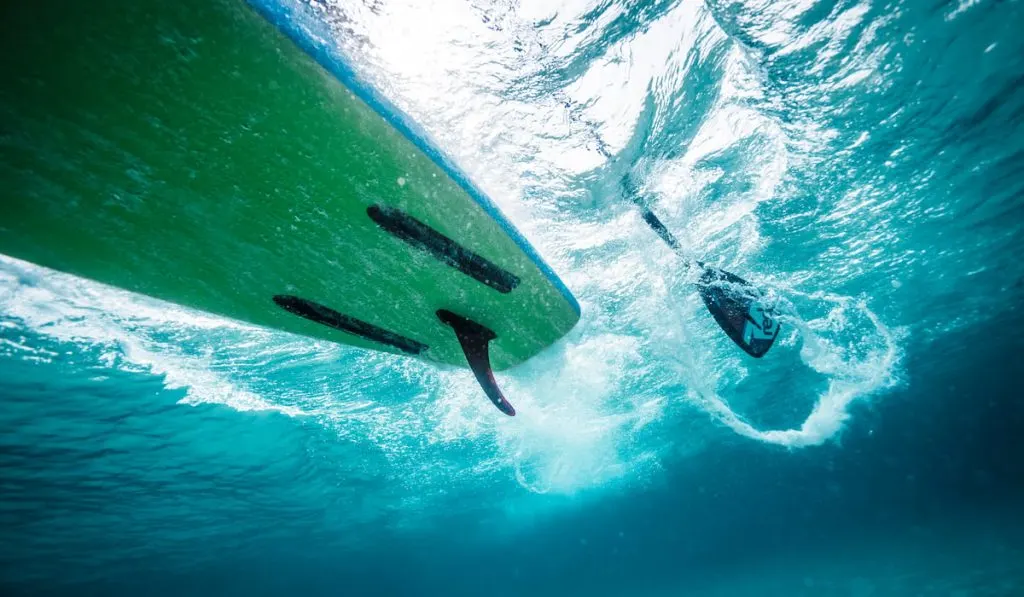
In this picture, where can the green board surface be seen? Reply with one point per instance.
(190, 151)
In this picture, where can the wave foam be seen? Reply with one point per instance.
(851, 376)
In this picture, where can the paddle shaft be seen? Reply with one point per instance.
(659, 228)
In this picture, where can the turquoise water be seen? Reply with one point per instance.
(863, 160)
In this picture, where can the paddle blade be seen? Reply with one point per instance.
(738, 309)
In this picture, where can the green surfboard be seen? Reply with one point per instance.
(212, 153)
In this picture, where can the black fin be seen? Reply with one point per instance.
(324, 315)
(474, 339)
(423, 237)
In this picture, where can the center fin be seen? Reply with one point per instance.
(474, 339)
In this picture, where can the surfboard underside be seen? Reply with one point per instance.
(191, 151)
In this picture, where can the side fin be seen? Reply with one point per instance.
(474, 339)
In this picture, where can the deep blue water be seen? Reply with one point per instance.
(865, 160)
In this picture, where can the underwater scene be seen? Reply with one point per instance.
(858, 164)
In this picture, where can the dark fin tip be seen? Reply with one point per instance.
(474, 339)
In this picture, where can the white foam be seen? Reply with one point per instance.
(962, 7)
(851, 377)
(573, 426)
(122, 327)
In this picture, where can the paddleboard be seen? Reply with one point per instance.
(220, 155)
